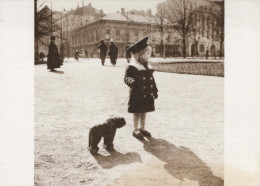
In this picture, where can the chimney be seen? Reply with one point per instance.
(89, 4)
(82, 3)
(149, 11)
(78, 4)
(101, 13)
(123, 11)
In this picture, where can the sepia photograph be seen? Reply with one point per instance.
(129, 93)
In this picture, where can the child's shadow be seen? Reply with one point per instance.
(116, 158)
(182, 163)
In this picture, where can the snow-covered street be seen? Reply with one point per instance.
(187, 128)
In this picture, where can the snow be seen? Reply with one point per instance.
(187, 127)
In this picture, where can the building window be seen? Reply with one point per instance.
(88, 34)
(117, 34)
(127, 35)
(136, 36)
(108, 32)
(169, 38)
(97, 35)
(145, 33)
(208, 33)
(92, 36)
(202, 48)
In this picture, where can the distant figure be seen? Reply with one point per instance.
(77, 55)
(86, 54)
(102, 48)
(128, 53)
(207, 53)
(113, 52)
(152, 55)
(53, 60)
(41, 55)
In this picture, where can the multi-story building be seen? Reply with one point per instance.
(73, 19)
(121, 28)
(204, 36)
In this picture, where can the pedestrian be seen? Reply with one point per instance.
(113, 52)
(53, 60)
(207, 53)
(128, 53)
(143, 89)
(102, 48)
(77, 55)
(86, 53)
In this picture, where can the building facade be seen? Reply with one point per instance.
(204, 37)
(121, 28)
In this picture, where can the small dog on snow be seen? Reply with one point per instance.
(107, 130)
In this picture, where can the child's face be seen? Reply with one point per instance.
(146, 56)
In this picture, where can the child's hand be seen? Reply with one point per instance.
(132, 83)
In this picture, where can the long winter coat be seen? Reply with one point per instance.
(102, 50)
(143, 89)
(113, 52)
(53, 60)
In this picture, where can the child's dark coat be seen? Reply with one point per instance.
(143, 88)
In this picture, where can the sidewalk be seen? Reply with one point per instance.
(187, 128)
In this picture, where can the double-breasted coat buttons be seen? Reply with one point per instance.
(144, 78)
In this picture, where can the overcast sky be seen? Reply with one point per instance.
(107, 6)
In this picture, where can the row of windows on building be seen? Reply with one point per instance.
(91, 36)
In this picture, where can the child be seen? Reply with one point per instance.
(143, 90)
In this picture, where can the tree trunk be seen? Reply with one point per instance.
(161, 48)
(184, 47)
(221, 49)
(36, 52)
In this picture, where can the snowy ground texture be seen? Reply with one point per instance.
(187, 128)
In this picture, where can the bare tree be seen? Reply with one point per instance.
(179, 13)
(44, 24)
(160, 20)
(196, 30)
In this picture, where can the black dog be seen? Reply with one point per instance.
(106, 130)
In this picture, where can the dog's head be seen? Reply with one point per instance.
(118, 122)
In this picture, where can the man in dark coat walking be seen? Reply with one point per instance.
(102, 51)
(77, 55)
(53, 60)
(113, 52)
(207, 53)
(128, 53)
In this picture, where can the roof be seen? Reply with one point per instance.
(138, 18)
(114, 17)
(133, 18)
